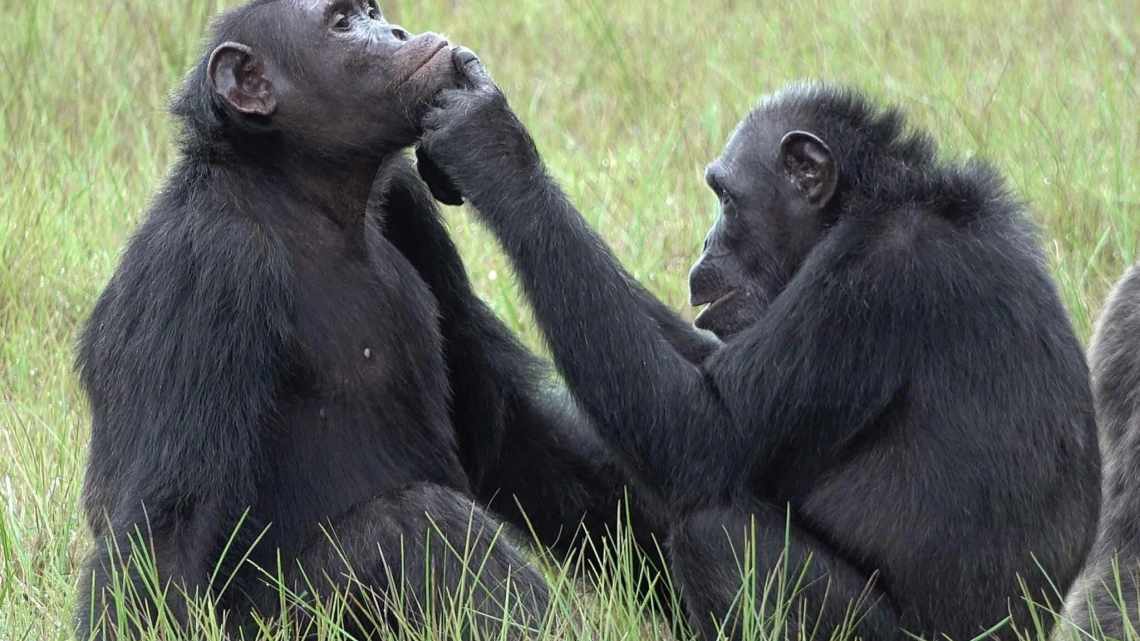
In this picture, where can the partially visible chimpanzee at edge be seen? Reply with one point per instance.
(268, 353)
(1107, 591)
(897, 368)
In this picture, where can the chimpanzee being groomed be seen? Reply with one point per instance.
(286, 380)
(899, 398)
(1107, 597)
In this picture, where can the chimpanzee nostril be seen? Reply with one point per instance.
(400, 34)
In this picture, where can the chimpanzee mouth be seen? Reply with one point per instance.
(432, 54)
(716, 303)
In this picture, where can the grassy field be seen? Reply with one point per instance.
(627, 101)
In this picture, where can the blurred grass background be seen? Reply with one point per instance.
(627, 101)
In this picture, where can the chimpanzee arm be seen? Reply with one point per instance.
(531, 455)
(180, 359)
(411, 222)
(653, 402)
(694, 344)
(835, 350)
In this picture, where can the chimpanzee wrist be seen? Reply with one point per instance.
(505, 166)
(498, 187)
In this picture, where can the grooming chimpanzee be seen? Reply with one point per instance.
(897, 369)
(1106, 593)
(269, 354)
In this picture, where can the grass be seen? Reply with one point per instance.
(627, 101)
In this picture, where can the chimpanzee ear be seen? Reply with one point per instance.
(239, 76)
(809, 166)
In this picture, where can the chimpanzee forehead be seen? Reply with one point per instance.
(321, 5)
(293, 17)
(312, 6)
(755, 141)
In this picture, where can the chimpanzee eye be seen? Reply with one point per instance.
(722, 194)
(727, 204)
(375, 14)
(341, 22)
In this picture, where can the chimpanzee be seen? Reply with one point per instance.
(1106, 593)
(288, 379)
(899, 405)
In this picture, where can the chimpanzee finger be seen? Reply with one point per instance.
(439, 109)
(442, 188)
(471, 67)
(446, 99)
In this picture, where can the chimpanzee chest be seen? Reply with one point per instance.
(369, 332)
(366, 409)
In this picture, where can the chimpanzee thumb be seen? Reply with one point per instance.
(471, 68)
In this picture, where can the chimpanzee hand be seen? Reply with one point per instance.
(472, 143)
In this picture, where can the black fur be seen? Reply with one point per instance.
(910, 386)
(1115, 357)
(268, 353)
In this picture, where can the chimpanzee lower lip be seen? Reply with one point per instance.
(441, 45)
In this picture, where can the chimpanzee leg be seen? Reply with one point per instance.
(713, 550)
(560, 483)
(407, 558)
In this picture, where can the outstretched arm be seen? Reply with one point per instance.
(643, 394)
(695, 345)
(179, 361)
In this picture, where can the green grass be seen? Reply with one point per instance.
(627, 101)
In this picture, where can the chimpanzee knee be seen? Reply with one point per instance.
(735, 567)
(424, 555)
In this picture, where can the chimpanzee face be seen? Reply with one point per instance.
(774, 182)
(334, 74)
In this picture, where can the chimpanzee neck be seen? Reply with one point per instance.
(334, 187)
(336, 190)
